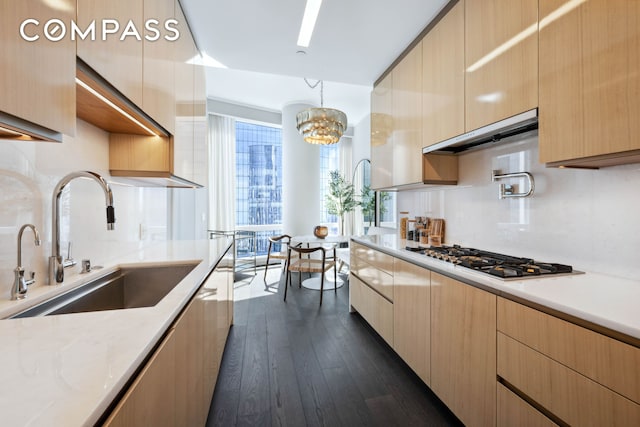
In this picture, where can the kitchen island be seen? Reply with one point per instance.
(68, 370)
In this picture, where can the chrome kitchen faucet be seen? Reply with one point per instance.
(19, 290)
(56, 265)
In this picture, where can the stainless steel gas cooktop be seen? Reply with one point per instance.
(495, 264)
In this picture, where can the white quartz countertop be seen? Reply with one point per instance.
(66, 370)
(602, 300)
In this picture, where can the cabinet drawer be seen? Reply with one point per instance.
(572, 397)
(376, 310)
(378, 259)
(375, 278)
(513, 411)
(607, 361)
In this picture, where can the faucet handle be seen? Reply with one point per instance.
(32, 280)
(86, 266)
(68, 261)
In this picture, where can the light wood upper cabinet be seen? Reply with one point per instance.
(382, 134)
(200, 127)
(501, 59)
(158, 97)
(589, 82)
(183, 139)
(412, 317)
(463, 349)
(136, 153)
(443, 78)
(407, 119)
(117, 61)
(37, 80)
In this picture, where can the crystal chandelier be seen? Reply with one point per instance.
(321, 125)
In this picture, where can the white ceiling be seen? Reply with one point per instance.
(353, 43)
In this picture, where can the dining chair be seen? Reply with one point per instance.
(284, 241)
(301, 264)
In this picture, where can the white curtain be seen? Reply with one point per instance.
(222, 173)
(346, 168)
(358, 185)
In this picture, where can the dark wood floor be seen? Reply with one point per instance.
(298, 364)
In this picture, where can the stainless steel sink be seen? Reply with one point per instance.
(130, 287)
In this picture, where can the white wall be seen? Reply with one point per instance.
(300, 177)
(28, 173)
(361, 141)
(586, 218)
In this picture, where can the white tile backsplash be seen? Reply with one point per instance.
(28, 173)
(586, 218)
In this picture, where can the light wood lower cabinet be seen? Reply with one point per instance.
(379, 260)
(150, 400)
(215, 296)
(463, 349)
(607, 361)
(578, 375)
(568, 395)
(189, 337)
(176, 385)
(513, 411)
(412, 317)
(375, 309)
(374, 268)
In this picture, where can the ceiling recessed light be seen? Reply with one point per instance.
(301, 52)
(205, 60)
(311, 11)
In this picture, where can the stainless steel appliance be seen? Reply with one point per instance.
(495, 264)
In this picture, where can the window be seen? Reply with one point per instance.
(329, 161)
(387, 209)
(258, 183)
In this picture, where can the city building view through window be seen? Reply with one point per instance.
(258, 186)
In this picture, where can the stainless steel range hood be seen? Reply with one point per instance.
(515, 128)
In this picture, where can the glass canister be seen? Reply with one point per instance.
(411, 226)
(404, 220)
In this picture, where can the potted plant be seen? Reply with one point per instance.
(341, 197)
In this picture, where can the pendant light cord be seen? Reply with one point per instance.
(313, 86)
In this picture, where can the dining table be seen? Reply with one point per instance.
(328, 242)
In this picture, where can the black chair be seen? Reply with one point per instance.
(307, 264)
(284, 241)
